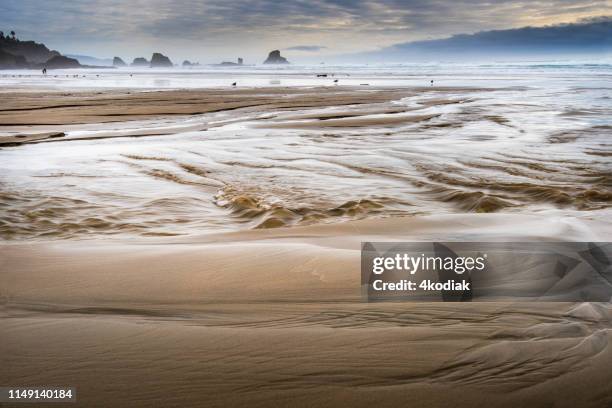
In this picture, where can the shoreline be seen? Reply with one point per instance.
(275, 316)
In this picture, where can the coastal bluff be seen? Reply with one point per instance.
(18, 54)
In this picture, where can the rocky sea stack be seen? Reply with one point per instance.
(275, 58)
(140, 62)
(118, 62)
(230, 63)
(160, 61)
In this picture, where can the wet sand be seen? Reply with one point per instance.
(46, 109)
(88, 163)
(258, 303)
(275, 317)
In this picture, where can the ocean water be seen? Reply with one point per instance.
(400, 75)
(529, 138)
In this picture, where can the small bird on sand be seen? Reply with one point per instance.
(335, 81)
(234, 83)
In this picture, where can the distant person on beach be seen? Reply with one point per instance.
(431, 82)
(44, 71)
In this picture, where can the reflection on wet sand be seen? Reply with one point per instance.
(265, 158)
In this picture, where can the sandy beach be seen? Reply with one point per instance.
(216, 271)
(275, 317)
(306, 204)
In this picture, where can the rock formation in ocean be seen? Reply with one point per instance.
(275, 58)
(160, 61)
(240, 62)
(140, 62)
(188, 63)
(118, 62)
(61, 62)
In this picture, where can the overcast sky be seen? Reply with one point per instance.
(214, 30)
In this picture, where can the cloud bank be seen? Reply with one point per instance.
(306, 48)
(590, 37)
(211, 30)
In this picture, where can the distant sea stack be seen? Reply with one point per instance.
(118, 62)
(275, 58)
(140, 62)
(188, 63)
(160, 61)
(226, 63)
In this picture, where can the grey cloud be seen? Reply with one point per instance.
(588, 37)
(232, 23)
(307, 48)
